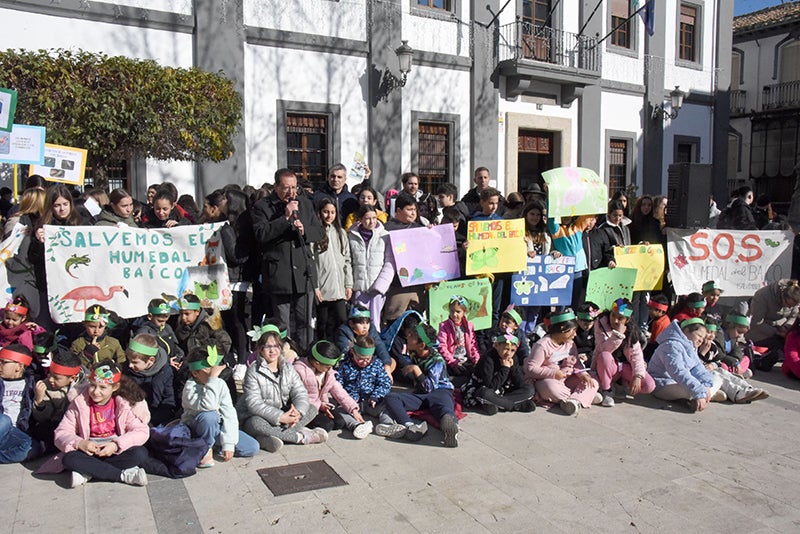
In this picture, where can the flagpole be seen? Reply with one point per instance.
(618, 26)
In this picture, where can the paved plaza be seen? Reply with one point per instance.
(642, 466)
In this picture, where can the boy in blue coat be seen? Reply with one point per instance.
(359, 324)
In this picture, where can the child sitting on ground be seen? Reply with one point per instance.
(290, 349)
(94, 344)
(15, 327)
(732, 343)
(359, 324)
(208, 409)
(457, 343)
(657, 308)
(688, 307)
(16, 400)
(53, 395)
(274, 405)
(104, 429)
(713, 356)
(195, 329)
(319, 378)
(585, 315)
(149, 367)
(510, 322)
(158, 312)
(395, 339)
(365, 379)
(712, 293)
(434, 391)
(498, 381)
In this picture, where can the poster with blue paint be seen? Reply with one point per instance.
(547, 281)
(425, 255)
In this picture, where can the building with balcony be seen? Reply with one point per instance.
(519, 87)
(764, 136)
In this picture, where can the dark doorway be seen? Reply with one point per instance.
(534, 156)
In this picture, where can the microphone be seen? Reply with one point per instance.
(295, 213)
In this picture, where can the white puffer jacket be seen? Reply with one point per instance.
(367, 258)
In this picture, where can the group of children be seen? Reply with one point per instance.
(95, 403)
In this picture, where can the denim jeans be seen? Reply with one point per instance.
(208, 427)
(14, 443)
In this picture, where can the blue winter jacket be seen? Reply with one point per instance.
(345, 337)
(369, 383)
(676, 361)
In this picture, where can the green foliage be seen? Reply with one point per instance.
(116, 107)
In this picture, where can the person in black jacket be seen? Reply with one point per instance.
(284, 224)
(148, 366)
(336, 189)
(613, 233)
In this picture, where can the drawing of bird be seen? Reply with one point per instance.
(91, 293)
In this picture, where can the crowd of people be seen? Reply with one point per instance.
(322, 336)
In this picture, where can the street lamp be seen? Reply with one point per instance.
(676, 97)
(389, 82)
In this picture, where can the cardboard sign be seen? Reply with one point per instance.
(648, 260)
(8, 108)
(425, 255)
(574, 191)
(477, 291)
(740, 261)
(124, 268)
(62, 164)
(607, 285)
(496, 246)
(358, 169)
(546, 282)
(23, 144)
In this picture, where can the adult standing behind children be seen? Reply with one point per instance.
(284, 225)
(336, 190)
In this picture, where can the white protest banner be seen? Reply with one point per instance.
(123, 268)
(740, 261)
(17, 277)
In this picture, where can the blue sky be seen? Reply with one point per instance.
(748, 6)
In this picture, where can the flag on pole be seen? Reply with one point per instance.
(648, 14)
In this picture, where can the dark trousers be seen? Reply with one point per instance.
(295, 312)
(509, 400)
(331, 314)
(439, 402)
(235, 320)
(109, 468)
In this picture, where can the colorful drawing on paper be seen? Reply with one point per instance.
(477, 292)
(546, 281)
(496, 246)
(574, 191)
(648, 260)
(607, 285)
(425, 255)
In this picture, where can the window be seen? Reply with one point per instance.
(434, 155)
(307, 146)
(444, 5)
(536, 32)
(685, 153)
(620, 11)
(790, 62)
(736, 70)
(536, 12)
(617, 165)
(688, 38)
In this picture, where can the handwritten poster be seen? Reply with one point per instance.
(124, 268)
(740, 261)
(17, 276)
(547, 281)
(574, 191)
(477, 291)
(8, 108)
(496, 246)
(607, 285)
(358, 169)
(62, 164)
(23, 144)
(648, 260)
(425, 255)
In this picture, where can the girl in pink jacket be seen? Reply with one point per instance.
(618, 354)
(316, 372)
(103, 432)
(457, 342)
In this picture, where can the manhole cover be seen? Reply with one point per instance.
(295, 478)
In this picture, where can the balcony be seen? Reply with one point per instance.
(738, 102)
(543, 60)
(781, 96)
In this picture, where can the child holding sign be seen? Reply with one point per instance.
(456, 337)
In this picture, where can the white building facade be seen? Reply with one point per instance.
(518, 88)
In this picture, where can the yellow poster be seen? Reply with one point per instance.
(648, 260)
(496, 246)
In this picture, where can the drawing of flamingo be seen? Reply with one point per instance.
(91, 293)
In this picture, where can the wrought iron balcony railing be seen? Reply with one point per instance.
(781, 95)
(523, 41)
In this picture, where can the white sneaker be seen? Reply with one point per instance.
(608, 400)
(393, 430)
(135, 476)
(79, 479)
(748, 374)
(570, 407)
(598, 398)
(239, 371)
(363, 430)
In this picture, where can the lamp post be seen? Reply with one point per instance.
(676, 97)
(389, 82)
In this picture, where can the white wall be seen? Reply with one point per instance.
(273, 74)
(183, 7)
(694, 121)
(452, 96)
(345, 19)
(436, 35)
(622, 113)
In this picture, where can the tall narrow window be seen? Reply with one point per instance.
(688, 33)
(434, 155)
(617, 165)
(536, 31)
(620, 11)
(307, 146)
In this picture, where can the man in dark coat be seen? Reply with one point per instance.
(284, 225)
(473, 197)
(336, 190)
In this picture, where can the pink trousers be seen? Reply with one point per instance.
(609, 371)
(552, 390)
(744, 365)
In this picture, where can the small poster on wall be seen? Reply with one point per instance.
(8, 107)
